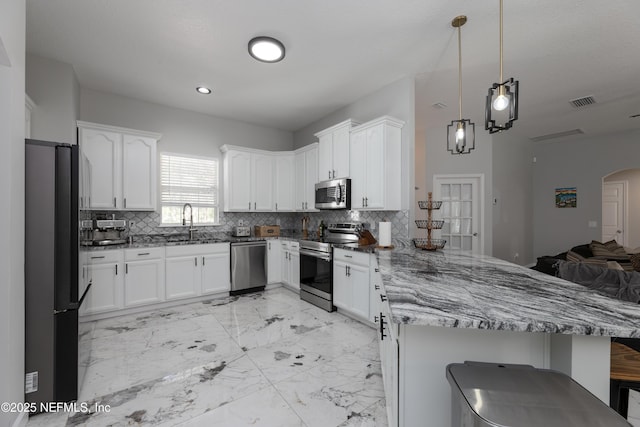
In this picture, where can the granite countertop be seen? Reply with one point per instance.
(462, 290)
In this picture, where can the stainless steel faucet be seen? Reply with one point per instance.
(184, 220)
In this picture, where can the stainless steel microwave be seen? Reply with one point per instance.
(334, 194)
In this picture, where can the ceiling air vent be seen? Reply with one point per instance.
(557, 135)
(582, 102)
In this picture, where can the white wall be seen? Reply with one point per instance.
(480, 161)
(397, 100)
(513, 189)
(581, 163)
(632, 176)
(12, 106)
(182, 131)
(53, 87)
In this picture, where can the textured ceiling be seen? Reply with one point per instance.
(341, 50)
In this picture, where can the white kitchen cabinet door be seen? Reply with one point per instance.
(376, 161)
(102, 149)
(262, 172)
(274, 261)
(144, 282)
(294, 272)
(374, 164)
(183, 276)
(342, 288)
(359, 278)
(300, 189)
(311, 178)
(284, 182)
(325, 157)
(341, 152)
(139, 175)
(238, 168)
(215, 272)
(358, 169)
(105, 293)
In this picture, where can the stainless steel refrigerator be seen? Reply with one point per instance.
(51, 272)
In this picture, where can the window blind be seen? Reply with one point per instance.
(184, 179)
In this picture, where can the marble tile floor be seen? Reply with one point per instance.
(263, 359)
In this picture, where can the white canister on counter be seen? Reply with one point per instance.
(384, 236)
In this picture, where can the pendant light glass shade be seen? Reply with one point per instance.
(461, 133)
(501, 108)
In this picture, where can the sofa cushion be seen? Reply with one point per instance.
(583, 250)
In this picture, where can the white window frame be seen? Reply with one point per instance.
(216, 206)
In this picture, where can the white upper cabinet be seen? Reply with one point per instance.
(285, 180)
(248, 179)
(375, 163)
(123, 167)
(333, 152)
(262, 177)
(138, 172)
(306, 176)
(103, 150)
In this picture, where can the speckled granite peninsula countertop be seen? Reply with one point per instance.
(460, 290)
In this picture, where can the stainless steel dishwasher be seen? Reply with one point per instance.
(248, 272)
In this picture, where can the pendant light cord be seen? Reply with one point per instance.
(460, 72)
(501, 25)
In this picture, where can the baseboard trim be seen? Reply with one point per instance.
(21, 420)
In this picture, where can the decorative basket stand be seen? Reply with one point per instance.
(429, 224)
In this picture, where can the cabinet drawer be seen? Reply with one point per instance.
(217, 248)
(143, 253)
(188, 250)
(103, 257)
(352, 257)
(294, 246)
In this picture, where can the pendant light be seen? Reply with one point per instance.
(502, 100)
(461, 135)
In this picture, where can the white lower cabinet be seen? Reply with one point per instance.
(216, 274)
(274, 261)
(389, 349)
(194, 270)
(351, 282)
(290, 263)
(144, 276)
(106, 278)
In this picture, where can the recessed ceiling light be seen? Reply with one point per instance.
(203, 90)
(266, 49)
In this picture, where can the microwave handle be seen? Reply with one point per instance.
(338, 193)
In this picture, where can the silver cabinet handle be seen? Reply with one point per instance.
(97, 257)
(276, 205)
(269, 245)
(376, 287)
(116, 269)
(363, 202)
(203, 261)
(306, 205)
(348, 256)
(334, 173)
(114, 202)
(329, 174)
(254, 206)
(302, 205)
(346, 270)
(125, 202)
(366, 201)
(143, 253)
(195, 259)
(126, 268)
(349, 270)
(383, 298)
(249, 205)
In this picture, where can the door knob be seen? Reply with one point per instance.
(475, 234)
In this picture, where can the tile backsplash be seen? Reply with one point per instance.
(145, 223)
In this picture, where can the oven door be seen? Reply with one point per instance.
(316, 273)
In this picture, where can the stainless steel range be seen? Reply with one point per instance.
(316, 267)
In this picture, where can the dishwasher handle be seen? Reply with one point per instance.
(251, 243)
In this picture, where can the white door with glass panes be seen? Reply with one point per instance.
(461, 210)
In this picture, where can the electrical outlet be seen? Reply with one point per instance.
(132, 224)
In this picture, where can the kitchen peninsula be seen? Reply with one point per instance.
(446, 307)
